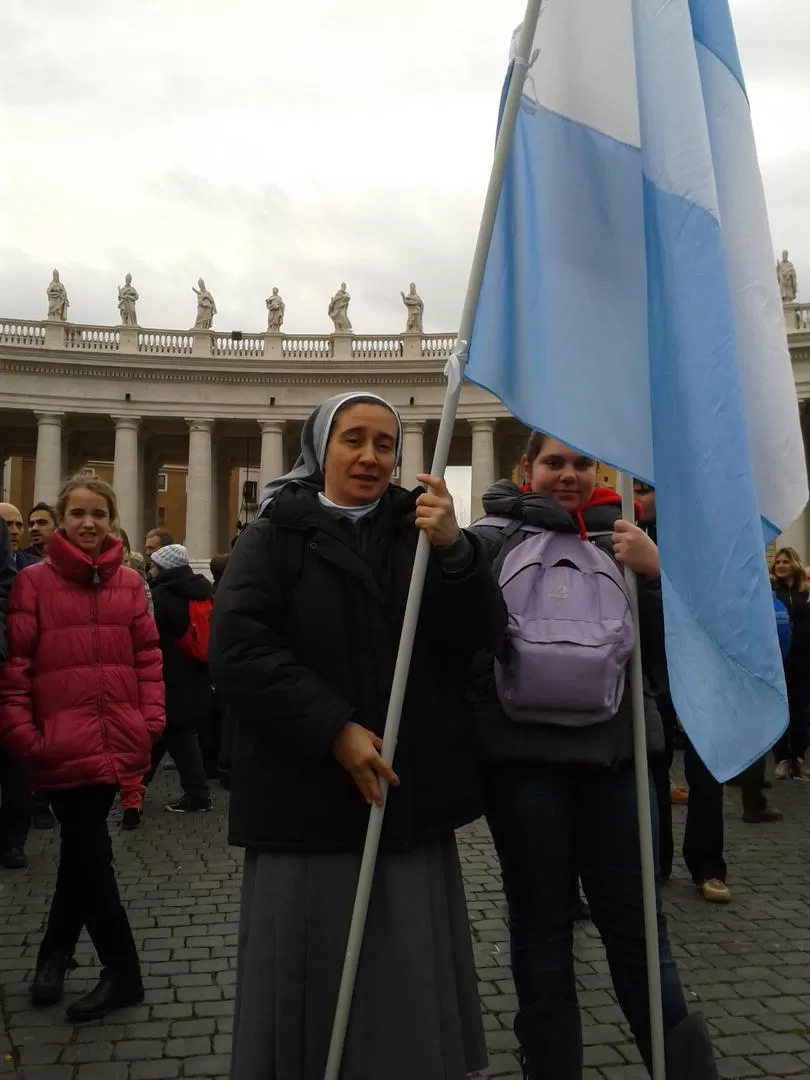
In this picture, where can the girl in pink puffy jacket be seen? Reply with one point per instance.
(81, 702)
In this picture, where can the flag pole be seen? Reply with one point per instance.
(455, 373)
(645, 831)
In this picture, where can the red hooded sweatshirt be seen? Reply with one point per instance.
(81, 694)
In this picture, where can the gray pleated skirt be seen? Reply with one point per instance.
(416, 1013)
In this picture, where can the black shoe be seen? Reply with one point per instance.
(770, 813)
(190, 805)
(688, 1050)
(49, 978)
(113, 991)
(550, 1038)
(767, 785)
(14, 859)
(43, 819)
(131, 818)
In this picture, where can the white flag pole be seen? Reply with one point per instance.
(455, 373)
(644, 812)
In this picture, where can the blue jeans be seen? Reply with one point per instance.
(551, 826)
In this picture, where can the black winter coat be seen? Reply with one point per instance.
(188, 682)
(797, 664)
(306, 626)
(604, 745)
(7, 571)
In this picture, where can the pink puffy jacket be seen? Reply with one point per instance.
(81, 694)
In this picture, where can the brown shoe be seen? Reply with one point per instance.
(715, 891)
(678, 795)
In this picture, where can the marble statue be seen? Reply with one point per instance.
(339, 310)
(206, 307)
(127, 299)
(415, 308)
(786, 272)
(275, 312)
(58, 302)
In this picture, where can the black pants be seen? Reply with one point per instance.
(182, 745)
(15, 803)
(86, 890)
(660, 768)
(40, 804)
(703, 838)
(793, 744)
(752, 782)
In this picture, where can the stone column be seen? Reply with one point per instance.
(125, 475)
(483, 463)
(224, 528)
(149, 473)
(272, 459)
(48, 478)
(413, 452)
(199, 511)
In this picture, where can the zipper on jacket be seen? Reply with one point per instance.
(97, 650)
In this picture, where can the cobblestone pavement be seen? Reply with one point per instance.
(745, 965)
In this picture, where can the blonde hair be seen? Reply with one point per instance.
(797, 568)
(88, 483)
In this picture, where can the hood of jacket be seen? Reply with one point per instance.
(507, 499)
(182, 581)
(75, 565)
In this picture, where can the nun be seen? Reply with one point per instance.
(305, 632)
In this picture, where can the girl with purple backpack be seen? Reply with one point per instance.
(554, 722)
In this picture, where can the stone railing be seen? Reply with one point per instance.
(797, 318)
(236, 346)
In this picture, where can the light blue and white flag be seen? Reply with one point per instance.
(630, 307)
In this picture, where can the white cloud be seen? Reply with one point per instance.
(295, 145)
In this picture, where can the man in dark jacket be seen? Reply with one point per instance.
(188, 687)
(41, 526)
(15, 802)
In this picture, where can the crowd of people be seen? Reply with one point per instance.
(275, 679)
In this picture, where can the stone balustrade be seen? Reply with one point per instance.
(797, 318)
(213, 344)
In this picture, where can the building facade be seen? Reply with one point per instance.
(188, 425)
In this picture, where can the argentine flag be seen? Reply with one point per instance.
(630, 307)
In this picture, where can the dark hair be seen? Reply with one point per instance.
(534, 445)
(125, 539)
(46, 507)
(87, 483)
(218, 564)
(163, 536)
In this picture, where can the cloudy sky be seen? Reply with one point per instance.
(294, 144)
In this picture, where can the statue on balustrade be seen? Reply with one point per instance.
(788, 285)
(339, 310)
(206, 307)
(127, 299)
(58, 302)
(413, 303)
(275, 312)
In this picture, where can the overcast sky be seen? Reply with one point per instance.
(294, 143)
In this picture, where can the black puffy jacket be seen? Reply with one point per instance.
(603, 745)
(306, 626)
(188, 682)
(797, 665)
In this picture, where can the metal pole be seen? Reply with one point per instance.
(645, 832)
(445, 436)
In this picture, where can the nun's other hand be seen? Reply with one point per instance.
(358, 750)
(435, 512)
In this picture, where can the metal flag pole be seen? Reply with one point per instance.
(455, 372)
(645, 831)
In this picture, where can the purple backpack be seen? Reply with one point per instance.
(570, 632)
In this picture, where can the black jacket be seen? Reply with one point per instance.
(188, 683)
(604, 745)
(797, 665)
(307, 621)
(7, 571)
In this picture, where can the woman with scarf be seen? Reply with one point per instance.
(306, 626)
(559, 786)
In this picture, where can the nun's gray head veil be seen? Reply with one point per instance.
(308, 469)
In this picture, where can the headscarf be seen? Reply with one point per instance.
(308, 469)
